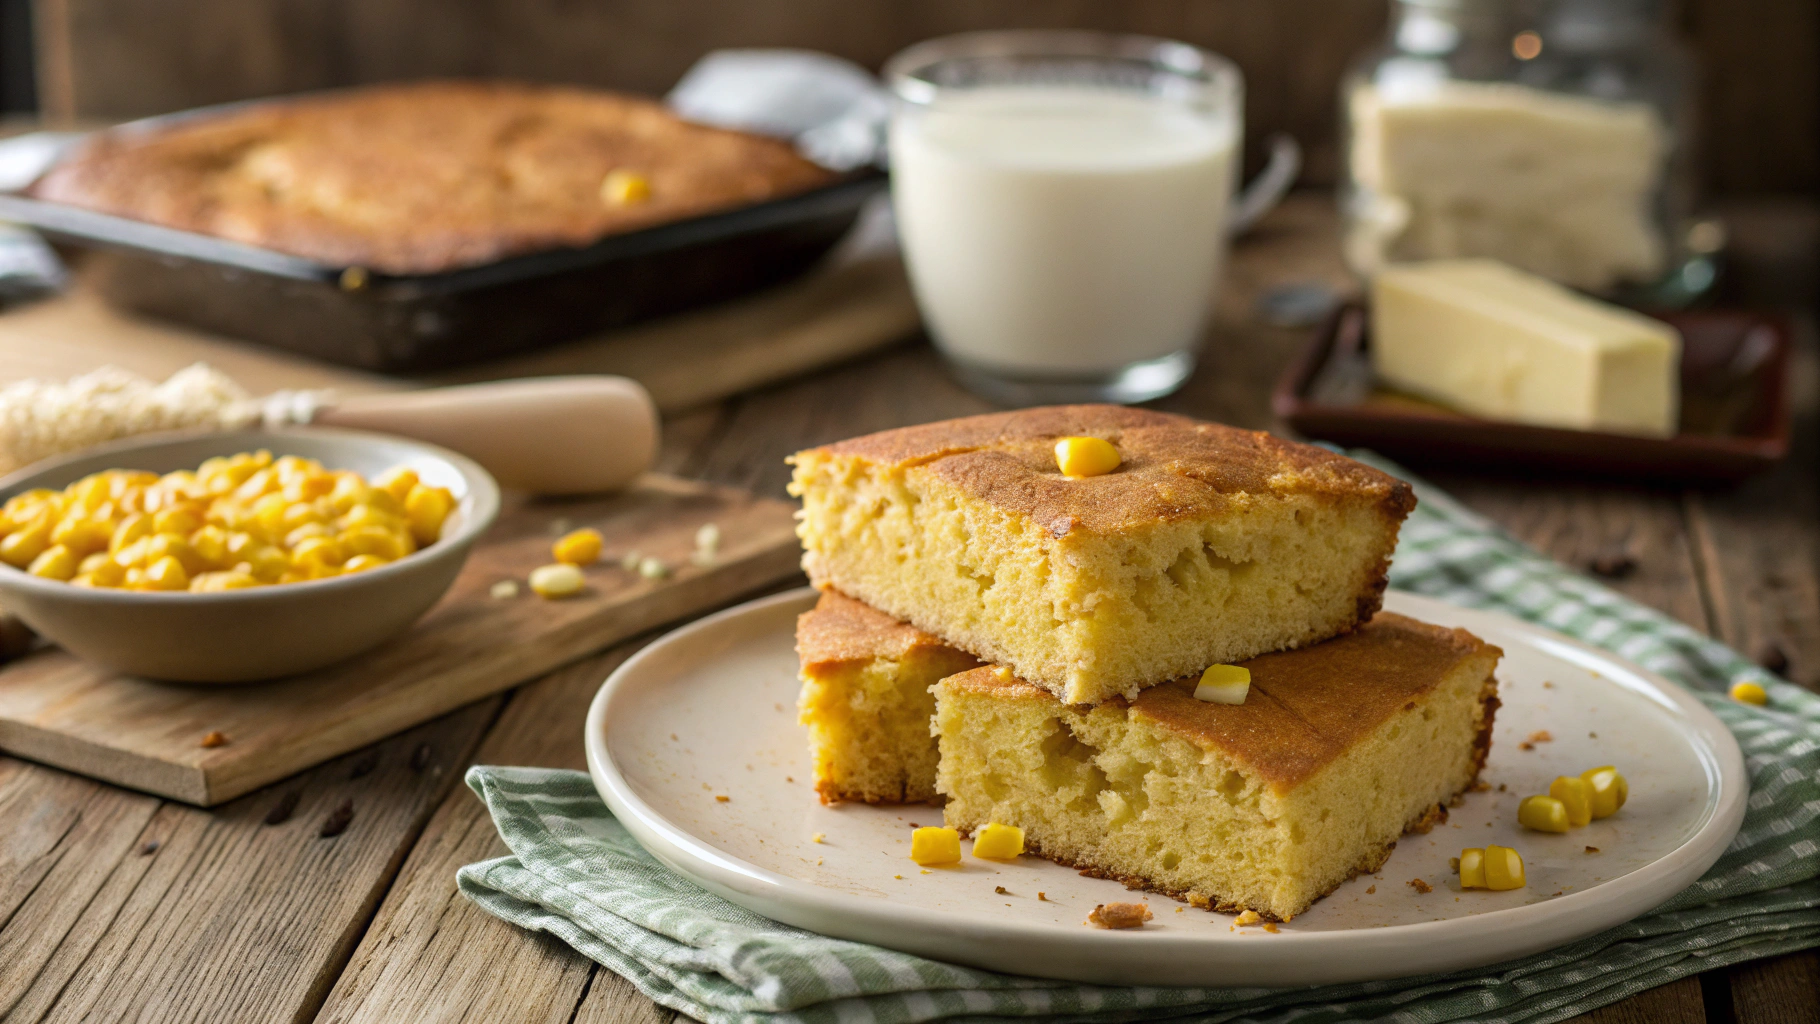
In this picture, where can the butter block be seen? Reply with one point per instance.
(1493, 341)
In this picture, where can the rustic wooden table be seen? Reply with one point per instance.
(115, 905)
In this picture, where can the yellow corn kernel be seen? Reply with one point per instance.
(1748, 692)
(210, 544)
(130, 529)
(166, 574)
(368, 514)
(20, 548)
(180, 519)
(1078, 457)
(102, 570)
(83, 579)
(1575, 795)
(559, 580)
(170, 545)
(255, 486)
(1542, 813)
(372, 540)
(82, 534)
(268, 514)
(54, 563)
(397, 482)
(313, 485)
(264, 562)
(132, 554)
(581, 547)
(934, 845)
(316, 553)
(239, 542)
(299, 513)
(305, 532)
(1224, 684)
(383, 501)
(1472, 868)
(216, 582)
(623, 188)
(427, 507)
(1607, 790)
(999, 842)
(1503, 868)
(361, 563)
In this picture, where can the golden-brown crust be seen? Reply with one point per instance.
(831, 792)
(1173, 468)
(1306, 707)
(840, 629)
(425, 177)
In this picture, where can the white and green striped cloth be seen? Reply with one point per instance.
(574, 871)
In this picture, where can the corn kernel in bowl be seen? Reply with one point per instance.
(236, 521)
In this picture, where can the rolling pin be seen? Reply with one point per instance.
(546, 435)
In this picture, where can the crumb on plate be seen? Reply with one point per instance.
(1420, 886)
(1119, 915)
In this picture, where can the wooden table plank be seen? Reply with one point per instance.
(430, 955)
(218, 915)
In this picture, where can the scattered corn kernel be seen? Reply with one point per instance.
(559, 580)
(233, 519)
(1748, 692)
(503, 590)
(582, 547)
(1224, 684)
(1503, 868)
(931, 845)
(629, 562)
(1543, 814)
(1607, 790)
(623, 188)
(707, 538)
(1079, 457)
(653, 569)
(999, 842)
(1575, 795)
(1472, 868)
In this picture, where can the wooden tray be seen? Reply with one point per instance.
(145, 735)
(1734, 409)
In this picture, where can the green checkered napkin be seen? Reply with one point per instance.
(574, 871)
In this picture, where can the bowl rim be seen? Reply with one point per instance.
(481, 487)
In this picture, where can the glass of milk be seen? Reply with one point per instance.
(1062, 201)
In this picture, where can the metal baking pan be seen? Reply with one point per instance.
(1735, 419)
(409, 324)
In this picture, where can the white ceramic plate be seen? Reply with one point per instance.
(709, 711)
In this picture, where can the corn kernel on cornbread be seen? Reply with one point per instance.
(1207, 543)
(1267, 805)
(866, 701)
(425, 177)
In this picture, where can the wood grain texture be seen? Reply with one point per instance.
(57, 709)
(432, 956)
(232, 914)
(1677, 1002)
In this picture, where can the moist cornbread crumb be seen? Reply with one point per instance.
(1207, 544)
(866, 701)
(1266, 805)
(424, 177)
(1119, 915)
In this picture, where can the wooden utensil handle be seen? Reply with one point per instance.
(547, 435)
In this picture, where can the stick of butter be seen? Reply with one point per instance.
(1493, 341)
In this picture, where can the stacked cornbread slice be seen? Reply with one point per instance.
(1095, 603)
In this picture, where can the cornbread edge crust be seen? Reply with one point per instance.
(1263, 806)
(1208, 543)
(424, 177)
(867, 702)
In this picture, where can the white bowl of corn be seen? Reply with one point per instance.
(236, 557)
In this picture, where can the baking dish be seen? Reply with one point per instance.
(405, 324)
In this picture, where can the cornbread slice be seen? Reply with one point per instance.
(866, 701)
(1207, 544)
(1266, 805)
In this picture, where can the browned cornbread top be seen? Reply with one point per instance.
(427, 177)
(1173, 468)
(841, 629)
(1306, 707)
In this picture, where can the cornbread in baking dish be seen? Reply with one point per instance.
(866, 701)
(426, 177)
(1207, 544)
(1267, 805)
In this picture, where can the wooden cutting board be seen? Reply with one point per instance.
(57, 709)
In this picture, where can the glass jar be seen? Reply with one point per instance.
(1552, 135)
